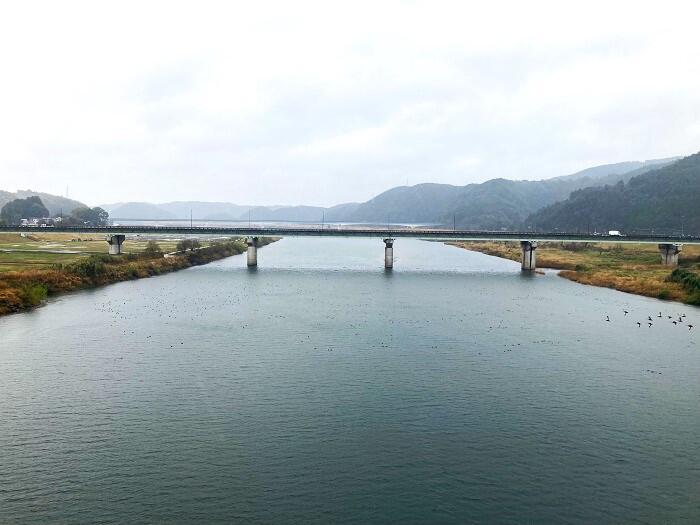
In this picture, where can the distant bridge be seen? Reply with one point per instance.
(669, 245)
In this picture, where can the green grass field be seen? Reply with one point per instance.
(38, 250)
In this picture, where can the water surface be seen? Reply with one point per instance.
(320, 388)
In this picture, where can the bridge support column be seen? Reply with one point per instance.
(388, 253)
(115, 243)
(528, 262)
(252, 252)
(669, 254)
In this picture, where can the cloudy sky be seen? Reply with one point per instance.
(327, 102)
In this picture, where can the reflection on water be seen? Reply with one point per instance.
(321, 388)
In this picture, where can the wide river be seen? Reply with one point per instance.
(322, 389)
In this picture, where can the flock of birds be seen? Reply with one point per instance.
(680, 320)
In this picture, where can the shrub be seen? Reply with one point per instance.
(664, 294)
(575, 246)
(153, 250)
(688, 279)
(188, 244)
(93, 266)
(32, 294)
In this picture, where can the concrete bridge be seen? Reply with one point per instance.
(669, 245)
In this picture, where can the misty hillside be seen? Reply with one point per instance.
(291, 213)
(494, 204)
(620, 168)
(138, 210)
(205, 210)
(54, 203)
(423, 203)
(665, 199)
(176, 210)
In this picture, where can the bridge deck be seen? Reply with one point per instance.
(418, 233)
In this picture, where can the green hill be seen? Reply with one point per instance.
(54, 203)
(494, 204)
(664, 200)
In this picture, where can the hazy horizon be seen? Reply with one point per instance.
(320, 104)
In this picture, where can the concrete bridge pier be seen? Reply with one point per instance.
(252, 251)
(388, 253)
(669, 253)
(528, 262)
(115, 243)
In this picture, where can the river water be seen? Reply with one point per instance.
(321, 389)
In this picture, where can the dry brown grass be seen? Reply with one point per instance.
(633, 268)
(24, 289)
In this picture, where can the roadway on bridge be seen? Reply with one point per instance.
(334, 231)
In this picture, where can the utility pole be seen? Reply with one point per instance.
(248, 218)
(190, 217)
(454, 223)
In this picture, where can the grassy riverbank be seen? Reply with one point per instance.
(38, 250)
(28, 287)
(633, 268)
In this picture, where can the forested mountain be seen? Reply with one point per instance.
(423, 203)
(30, 208)
(665, 200)
(54, 203)
(494, 204)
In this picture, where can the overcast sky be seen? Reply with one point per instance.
(327, 102)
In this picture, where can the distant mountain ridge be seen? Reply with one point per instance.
(494, 204)
(619, 168)
(176, 210)
(221, 211)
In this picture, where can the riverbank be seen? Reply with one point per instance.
(25, 289)
(631, 268)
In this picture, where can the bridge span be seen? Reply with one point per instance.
(669, 245)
